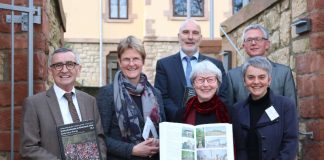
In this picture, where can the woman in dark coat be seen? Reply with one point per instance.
(265, 125)
(127, 104)
(206, 107)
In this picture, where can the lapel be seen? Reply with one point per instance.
(245, 116)
(81, 102)
(54, 106)
(177, 63)
(264, 119)
(201, 57)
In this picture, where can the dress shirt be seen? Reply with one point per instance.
(64, 106)
(184, 62)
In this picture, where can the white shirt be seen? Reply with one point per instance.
(184, 62)
(63, 103)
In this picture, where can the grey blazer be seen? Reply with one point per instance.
(42, 115)
(282, 83)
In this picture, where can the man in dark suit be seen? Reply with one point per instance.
(43, 112)
(256, 43)
(172, 72)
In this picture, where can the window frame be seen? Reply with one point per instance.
(118, 10)
(130, 15)
(205, 16)
(185, 15)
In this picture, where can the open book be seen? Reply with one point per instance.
(202, 142)
(79, 141)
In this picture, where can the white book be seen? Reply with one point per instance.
(180, 141)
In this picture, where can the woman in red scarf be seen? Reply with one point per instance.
(206, 107)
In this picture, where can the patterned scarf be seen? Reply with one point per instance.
(130, 119)
(215, 105)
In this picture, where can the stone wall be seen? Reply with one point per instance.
(302, 52)
(47, 35)
(89, 54)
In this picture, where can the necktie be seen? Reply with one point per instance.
(188, 69)
(73, 112)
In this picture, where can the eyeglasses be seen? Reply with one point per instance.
(59, 66)
(256, 40)
(201, 80)
(135, 60)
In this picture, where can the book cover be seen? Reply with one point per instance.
(79, 141)
(201, 142)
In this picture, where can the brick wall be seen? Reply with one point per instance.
(47, 36)
(310, 80)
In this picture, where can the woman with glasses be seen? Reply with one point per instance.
(265, 125)
(205, 107)
(127, 104)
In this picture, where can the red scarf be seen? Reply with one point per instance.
(213, 105)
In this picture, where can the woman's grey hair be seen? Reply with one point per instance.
(206, 67)
(256, 26)
(131, 42)
(258, 62)
(62, 50)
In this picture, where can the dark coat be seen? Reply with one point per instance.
(117, 149)
(279, 138)
(170, 80)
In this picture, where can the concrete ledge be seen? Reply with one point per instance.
(246, 13)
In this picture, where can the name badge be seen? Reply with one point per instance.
(272, 113)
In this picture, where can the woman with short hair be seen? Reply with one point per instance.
(205, 107)
(127, 104)
(265, 125)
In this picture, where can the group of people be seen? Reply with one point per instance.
(258, 98)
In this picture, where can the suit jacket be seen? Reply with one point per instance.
(170, 80)
(42, 115)
(282, 83)
(278, 138)
(117, 148)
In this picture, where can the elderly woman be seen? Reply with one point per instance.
(265, 125)
(125, 105)
(206, 106)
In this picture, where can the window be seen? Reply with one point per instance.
(180, 8)
(238, 4)
(118, 9)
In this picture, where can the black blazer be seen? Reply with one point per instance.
(171, 81)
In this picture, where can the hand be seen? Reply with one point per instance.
(155, 142)
(146, 148)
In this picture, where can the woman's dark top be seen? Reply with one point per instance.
(138, 101)
(257, 108)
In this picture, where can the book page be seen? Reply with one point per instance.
(177, 141)
(214, 141)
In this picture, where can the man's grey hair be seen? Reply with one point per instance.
(206, 67)
(258, 62)
(62, 50)
(264, 31)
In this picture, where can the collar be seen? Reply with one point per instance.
(60, 92)
(182, 54)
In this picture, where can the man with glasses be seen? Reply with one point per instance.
(173, 72)
(256, 43)
(61, 104)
